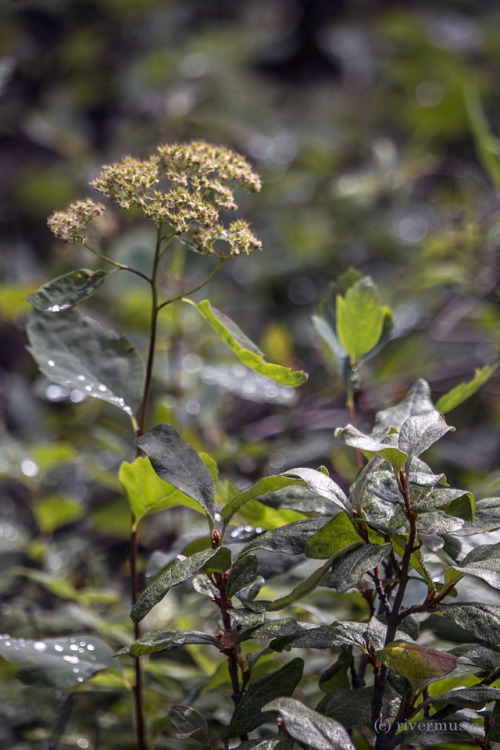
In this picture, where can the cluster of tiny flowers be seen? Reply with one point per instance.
(200, 180)
(71, 225)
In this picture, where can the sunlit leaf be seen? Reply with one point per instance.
(310, 727)
(418, 664)
(360, 319)
(267, 484)
(462, 392)
(68, 290)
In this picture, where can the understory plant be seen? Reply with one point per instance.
(328, 618)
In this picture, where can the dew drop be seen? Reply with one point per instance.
(58, 647)
(51, 363)
(40, 646)
(29, 468)
(71, 659)
(90, 647)
(73, 647)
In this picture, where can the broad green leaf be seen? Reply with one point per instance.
(259, 515)
(371, 446)
(455, 502)
(241, 574)
(302, 589)
(299, 498)
(322, 485)
(337, 535)
(167, 640)
(247, 715)
(466, 697)
(68, 290)
(147, 493)
(267, 484)
(360, 319)
(483, 562)
(310, 727)
(348, 570)
(52, 513)
(426, 733)
(363, 635)
(462, 392)
(57, 662)
(420, 665)
(52, 455)
(246, 351)
(417, 434)
(417, 401)
(180, 571)
(486, 517)
(336, 677)
(190, 724)
(290, 539)
(338, 354)
(482, 620)
(280, 628)
(79, 353)
(64, 588)
(352, 708)
(177, 463)
(463, 506)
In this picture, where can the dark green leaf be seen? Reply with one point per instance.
(267, 484)
(362, 635)
(350, 568)
(57, 662)
(177, 462)
(484, 658)
(483, 620)
(290, 539)
(277, 743)
(430, 733)
(308, 726)
(322, 485)
(482, 562)
(79, 353)
(302, 589)
(241, 574)
(486, 517)
(466, 697)
(352, 708)
(68, 290)
(247, 715)
(167, 640)
(274, 629)
(337, 676)
(246, 351)
(424, 500)
(190, 724)
(462, 392)
(180, 571)
(337, 535)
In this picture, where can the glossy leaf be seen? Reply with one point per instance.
(79, 353)
(322, 485)
(246, 351)
(348, 570)
(337, 535)
(290, 539)
(418, 433)
(147, 493)
(57, 662)
(483, 562)
(360, 319)
(462, 392)
(247, 715)
(371, 446)
(267, 484)
(302, 589)
(167, 640)
(190, 724)
(177, 463)
(310, 727)
(180, 571)
(417, 401)
(68, 290)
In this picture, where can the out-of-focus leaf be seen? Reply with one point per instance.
(167, 640)
(246, 351)
(247, 715)
(177, 463)
(360, 319)
(302, 589)
(462, 392)
(57, 662)
(68, 290)
(79, 353)
(308, 726)
(53, 512)
(190, 724)
(267, 484)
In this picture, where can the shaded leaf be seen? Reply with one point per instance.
(177, 463)
(363, 635)
(462, 392)
(79, 353)
(308, 726)
(350, 568)
(57, 662)
(486, 517)
(246, 351)
(352, 708)
(68, 290)
(180, 571)
(52, 513)
(190, 724)
(241, 574)
(483, 562)
(467, 697)
(247, 715)
(167, 640)
(429, 735)
(302, 589)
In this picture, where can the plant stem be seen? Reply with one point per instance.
(352, 417)
(119, 266)
(195, 289)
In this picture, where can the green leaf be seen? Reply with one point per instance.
(337, 535)
(466, 697)
(350, 568)
(79, 353)
(462, 392)
(190, 724)
(52, 513)
(418, 433)
(167, 640)
(360, 319)
(487, 145)
(336, 677)
(483, 562)
(68, 290)
(420, 665)
(322, 485)
(302, 589)
(267, 484)
(147, 493)
(455, 502)
(290, 539)
(246, 351)
(180, 571)
(57, 662)
(318, 732)
(482, 620)
(299, 498)
(241, 574)
(417, 401)
(371, 446)
(177, 463)
(428, 735)
(352, 708)
(247, 715)
(486, 517)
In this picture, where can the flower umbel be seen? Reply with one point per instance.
(71, 225)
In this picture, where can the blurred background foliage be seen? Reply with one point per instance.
(373, 125)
